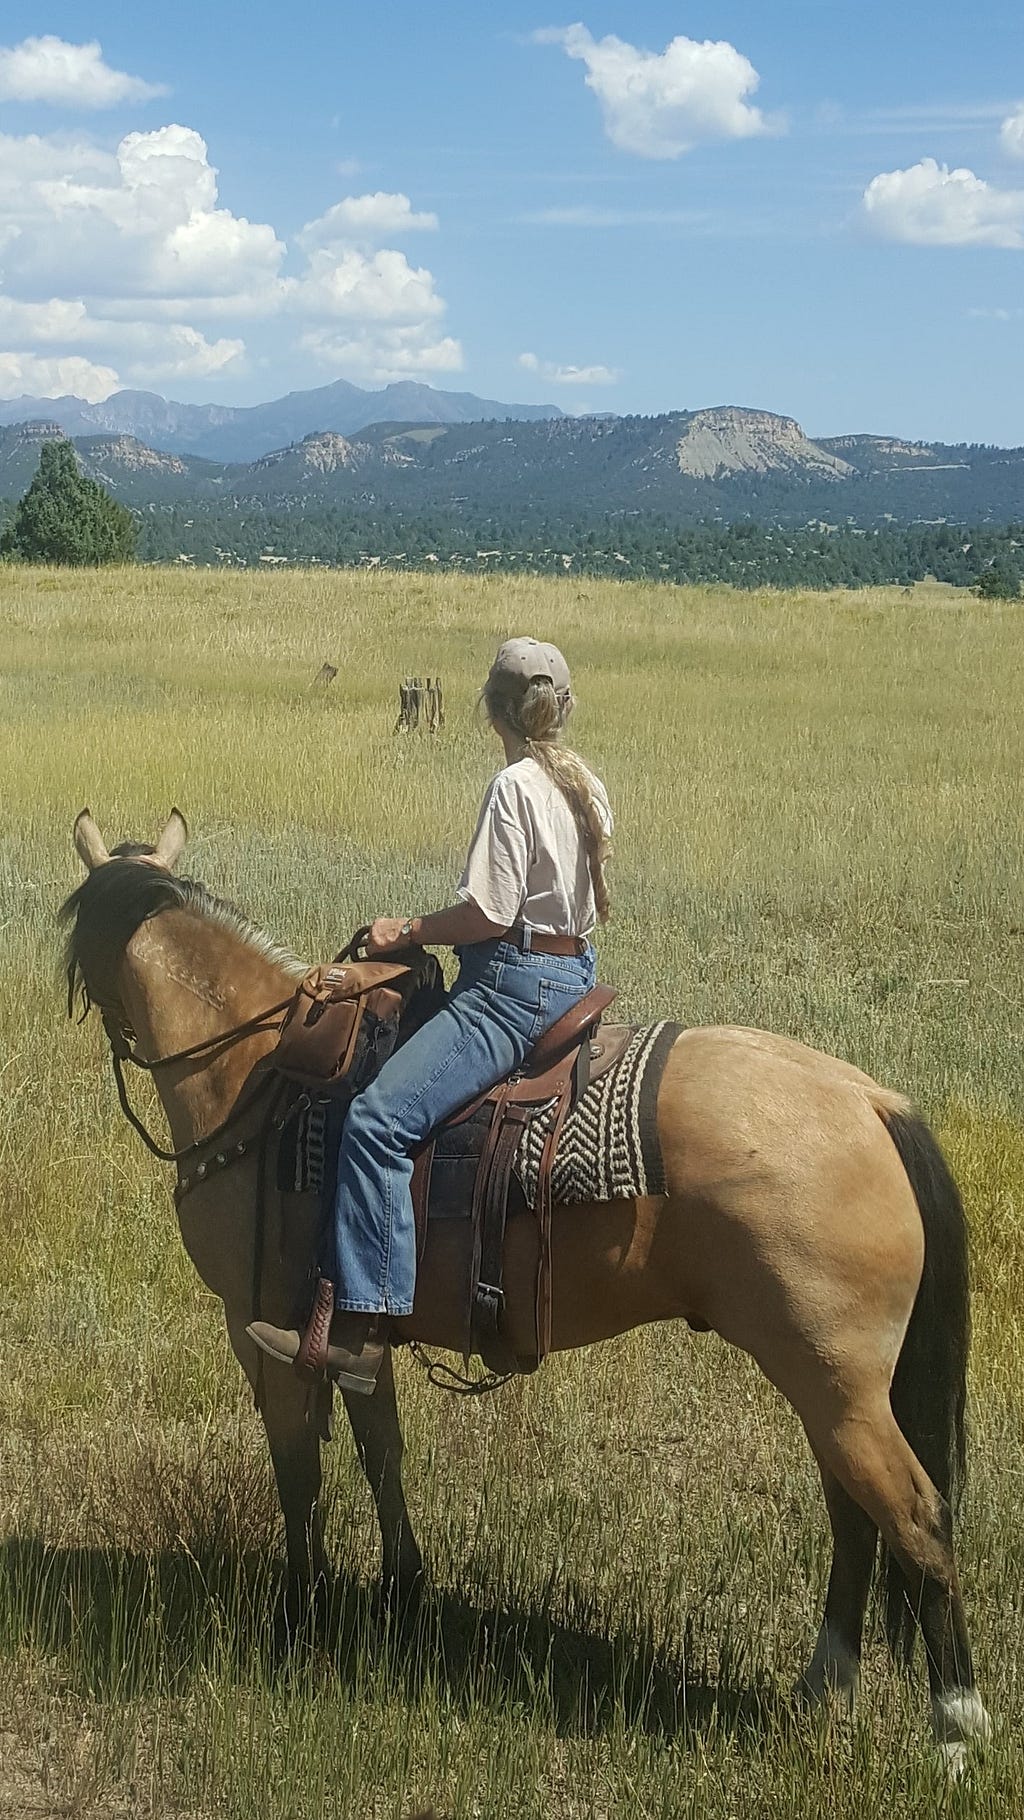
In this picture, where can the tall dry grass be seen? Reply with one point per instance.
(819, 830)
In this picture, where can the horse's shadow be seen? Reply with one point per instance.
(134, 1625)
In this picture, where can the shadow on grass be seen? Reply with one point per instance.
(584, 1680)
(128, 1626)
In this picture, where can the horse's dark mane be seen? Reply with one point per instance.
(116, 899)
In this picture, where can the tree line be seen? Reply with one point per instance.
(640, 545)
(66, 518)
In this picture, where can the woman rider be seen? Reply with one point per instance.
(532, 890)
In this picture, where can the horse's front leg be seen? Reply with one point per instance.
(294, 1439)
(378, 1438)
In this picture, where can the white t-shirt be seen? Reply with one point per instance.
(527, 862)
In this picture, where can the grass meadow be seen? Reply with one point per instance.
(821, 831)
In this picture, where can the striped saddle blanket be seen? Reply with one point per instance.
(608, 1149)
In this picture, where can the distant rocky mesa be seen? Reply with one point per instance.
(321, 453)
(729, 440)
(129, 453)
(123, 464)
(883, 445)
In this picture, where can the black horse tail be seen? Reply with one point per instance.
(930, 1382)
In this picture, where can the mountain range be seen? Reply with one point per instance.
(723, 464)
(243, 433)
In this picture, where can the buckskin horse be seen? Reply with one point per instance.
(809, 1218)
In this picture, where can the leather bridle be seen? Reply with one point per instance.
(124, 1048)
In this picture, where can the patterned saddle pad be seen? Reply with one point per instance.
(608, 1150)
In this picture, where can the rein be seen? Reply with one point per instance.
(224, 1039)
(122, 1041)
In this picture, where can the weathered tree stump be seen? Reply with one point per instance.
(420, 701)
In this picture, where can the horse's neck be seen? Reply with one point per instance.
(186, 980)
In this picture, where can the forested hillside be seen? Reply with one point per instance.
(727, 494)
(644, 545)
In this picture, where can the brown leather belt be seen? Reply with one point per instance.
(546, 944)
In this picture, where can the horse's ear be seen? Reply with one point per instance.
(89, 843)
(169, 847)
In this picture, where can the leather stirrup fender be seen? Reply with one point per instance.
(311, 1362)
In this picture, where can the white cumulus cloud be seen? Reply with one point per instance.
(180, 352)
(556, 373)
(146, 351)
(213, 254)
(370, 312)
(142, 220)
(127, 250)
(659, 104)
(29, 161)
(367, 218)
(1011, 133)
(68, 75)
(46, 376)
(59, 319)
(931, 205)
(384, 354)
(381, 287)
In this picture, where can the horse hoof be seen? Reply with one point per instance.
(953, 1758)
(403, 1596)
(303, 1617)
(962, 1726)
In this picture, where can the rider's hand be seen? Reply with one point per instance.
(386, 935)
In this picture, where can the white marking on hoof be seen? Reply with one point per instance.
(953, 1759)
(833, 1672)
(959, 1719)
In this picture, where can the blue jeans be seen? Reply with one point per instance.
(501, 1002)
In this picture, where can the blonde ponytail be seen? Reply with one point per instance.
(536, 717)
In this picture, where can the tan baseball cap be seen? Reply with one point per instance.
(521, 659)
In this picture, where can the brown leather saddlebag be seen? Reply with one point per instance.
(344, 1021)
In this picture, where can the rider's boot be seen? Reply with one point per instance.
(342, 1345)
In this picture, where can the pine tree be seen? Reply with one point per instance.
(999, 582)
(66, 519)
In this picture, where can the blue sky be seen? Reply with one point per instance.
(817, 208)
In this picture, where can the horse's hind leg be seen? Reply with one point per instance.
(873, 1462)
(834, 1668)
(378, 1438)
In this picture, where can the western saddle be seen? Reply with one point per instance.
(573, 1052)
(353, 1012)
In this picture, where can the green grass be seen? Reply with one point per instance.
(820, 830)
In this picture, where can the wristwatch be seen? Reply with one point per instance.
(406, 928)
